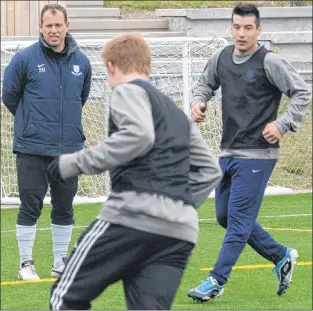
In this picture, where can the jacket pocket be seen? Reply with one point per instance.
(29, 130)
(47, 133)
(25, 121)
(73, 134)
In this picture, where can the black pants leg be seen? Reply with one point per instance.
(107, 253)
(32, 186)
(62, 197)
(154, 287)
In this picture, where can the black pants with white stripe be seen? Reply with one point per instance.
(151, 267)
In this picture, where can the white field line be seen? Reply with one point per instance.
(200, 220)
(42, 229)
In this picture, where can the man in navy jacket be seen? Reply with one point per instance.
(45, 87)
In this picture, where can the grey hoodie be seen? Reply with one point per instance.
(281, 74)
(154, 213)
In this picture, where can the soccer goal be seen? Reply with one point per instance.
(176, 66)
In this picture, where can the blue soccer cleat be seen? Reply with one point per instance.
(284, 270)
(208, 289)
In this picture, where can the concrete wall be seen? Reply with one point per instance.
(287, 30)
(217, 21)
(294, 46)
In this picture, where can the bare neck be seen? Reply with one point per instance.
(246, 52)
(133, 76)
(58, 48)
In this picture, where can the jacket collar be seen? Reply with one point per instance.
(71, 46)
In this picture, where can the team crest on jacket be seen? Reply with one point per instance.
(76, 71)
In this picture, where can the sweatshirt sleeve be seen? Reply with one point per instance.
(132, 114)
(205, 172)
(281, 74)
(208, 81)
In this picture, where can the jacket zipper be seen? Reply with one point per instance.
(61, 121)
(61, 116)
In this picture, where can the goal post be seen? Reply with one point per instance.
(176, 66)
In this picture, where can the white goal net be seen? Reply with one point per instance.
(176, 66)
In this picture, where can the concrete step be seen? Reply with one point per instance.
(112, 25)
(94, 13)
(109, 35)
(95, 36)
(85, 4)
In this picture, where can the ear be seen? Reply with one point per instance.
(111, 68)
(259, 29)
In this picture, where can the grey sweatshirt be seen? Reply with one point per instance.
(281, 74)
(154, 213)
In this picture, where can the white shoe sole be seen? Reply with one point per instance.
(20, 277)
(55, 274)
(205, 298)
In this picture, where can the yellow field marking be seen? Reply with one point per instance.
(28, 282)
(288, 229)
(248, 267)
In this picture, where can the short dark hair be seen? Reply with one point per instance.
(53, 7)
(247, 10)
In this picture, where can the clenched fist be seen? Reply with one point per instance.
(197, 112)
(271, 133)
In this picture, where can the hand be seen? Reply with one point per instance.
(197, 112)
(54, 171)
(271, 133)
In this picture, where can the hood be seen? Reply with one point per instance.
(71, 46)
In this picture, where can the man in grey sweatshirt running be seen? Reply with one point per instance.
(252, 80)
(161, 171)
